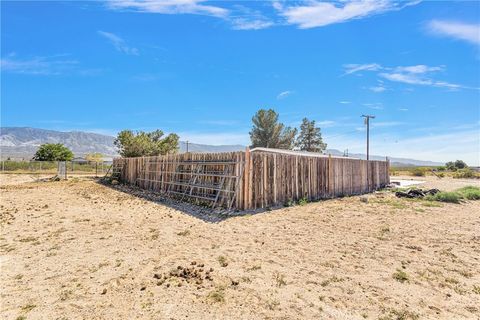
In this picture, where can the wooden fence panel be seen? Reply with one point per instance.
(267, 179)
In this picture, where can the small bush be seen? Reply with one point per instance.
(470, 192)
(223, 261)
(418, 172)
(303, 201)
(400, 275)
(451, 197)
(464, 174)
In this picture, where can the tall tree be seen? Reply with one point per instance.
(310, 137)
(53, 152)
(141, 143)
(267, 132)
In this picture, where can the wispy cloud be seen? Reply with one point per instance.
(344, 102)
(458, 30)
(315, 13)
(353, 68)
(414, 75)
(378, 88)
(250, 24)
(45, 66)
(284, 94)
(244, 18)
(326, 123)
(239, 17)
(119, 43)
(169, 7)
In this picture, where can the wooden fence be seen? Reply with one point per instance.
(263, 179)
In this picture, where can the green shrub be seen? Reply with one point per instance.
(464, 173)
(303, 201)
(452, 197)
(470, 193)
(418, 172)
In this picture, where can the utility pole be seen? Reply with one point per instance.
(187, 145)
(367, 122)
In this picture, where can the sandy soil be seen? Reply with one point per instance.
(82, 250)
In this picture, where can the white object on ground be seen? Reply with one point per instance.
(406, 183)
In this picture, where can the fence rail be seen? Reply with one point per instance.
(266, 179)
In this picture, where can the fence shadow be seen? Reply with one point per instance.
(205, 214)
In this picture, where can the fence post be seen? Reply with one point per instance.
(246, 180)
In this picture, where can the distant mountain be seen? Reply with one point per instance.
(23, 142)
(18, 142)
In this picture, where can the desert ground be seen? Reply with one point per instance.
(79, 249)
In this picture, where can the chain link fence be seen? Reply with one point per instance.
(68, 168)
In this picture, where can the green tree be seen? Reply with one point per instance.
(267, 132)
(454, 166)
(460, 164)
(141, 143)
(310, 137)
(53, 152)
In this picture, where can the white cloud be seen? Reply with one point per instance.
(403, 109)
(326, 123)
(352, 68)
(378, 89)
(169, 7)
(457, 30)
(344, 102)
(418, 69)
(317, 14)
(54, 65)
(118, 43)
(249, 24)
(284, 94)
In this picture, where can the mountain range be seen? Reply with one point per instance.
(22, 142)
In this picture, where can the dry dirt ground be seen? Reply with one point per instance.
(82, 250)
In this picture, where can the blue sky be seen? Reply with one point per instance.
(202, 68)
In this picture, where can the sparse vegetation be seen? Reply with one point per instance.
(403, 314)
(183, 233)
(452, 197)
(465, 193)
(217, 295)
(28, 307)
(464, 173)
(223, 261)
(400, 276)
(279, 279)
(470, 192)
(303, 201)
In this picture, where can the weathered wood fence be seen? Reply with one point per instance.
(263, 179)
